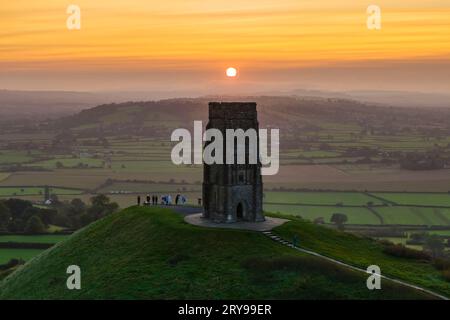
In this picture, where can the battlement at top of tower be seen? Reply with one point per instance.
(232, 110)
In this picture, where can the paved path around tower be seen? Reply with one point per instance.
(190, 216)
(267, 225)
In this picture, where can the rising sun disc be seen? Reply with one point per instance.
(231, 72)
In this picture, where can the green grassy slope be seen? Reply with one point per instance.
(362, 252)
(147, 253)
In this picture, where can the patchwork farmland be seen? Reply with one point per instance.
(348, 160)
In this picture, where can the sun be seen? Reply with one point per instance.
(231, 72)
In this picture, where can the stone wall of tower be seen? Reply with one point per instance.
(232, 192)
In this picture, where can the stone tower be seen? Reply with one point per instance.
(233, 192)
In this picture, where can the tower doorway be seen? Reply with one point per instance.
(240, 211)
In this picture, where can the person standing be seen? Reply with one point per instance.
(138, 200)
(295, 241)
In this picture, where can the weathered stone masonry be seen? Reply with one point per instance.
(233, 192)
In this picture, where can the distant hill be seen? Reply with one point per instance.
(52, 104)
(379, 97)
(292, 113)
(44, 104)
(37, 105)
(402, 98)
(151, 253)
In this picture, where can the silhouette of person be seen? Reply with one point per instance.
(138, 200)
(295, 241)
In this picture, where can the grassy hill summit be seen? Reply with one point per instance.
(151, 253)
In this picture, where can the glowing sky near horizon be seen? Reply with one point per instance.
(155, 41)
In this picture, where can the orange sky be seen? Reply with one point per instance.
(146, 43)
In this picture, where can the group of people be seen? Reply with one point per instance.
(165, 200)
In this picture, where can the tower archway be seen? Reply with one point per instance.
(240, 211)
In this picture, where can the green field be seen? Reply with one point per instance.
(361, 215)
(24, 254)
(69, 162)
(31, 191)
(156, 166)
(441, 232)
(14, 157)
(33, 238)
(415, 215)
(354, 215)
(154, 254)
(301, 204)
(328, 198)
(420, 199)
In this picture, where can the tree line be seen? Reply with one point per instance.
(21, 216)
